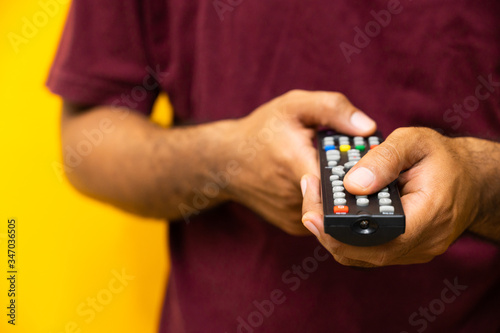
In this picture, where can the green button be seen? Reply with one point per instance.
(360, 147)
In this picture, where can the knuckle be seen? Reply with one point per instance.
(387, 155)
(337, 98)
(295, 93)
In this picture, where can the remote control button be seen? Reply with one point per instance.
(362, 202)
(333, 152)
(385, 202)
(344, 148)
(338, 189)
(332, 163)
(337, 183)
(361, 197)
(373, 146)
(383, 195)
(360, 147)
(334, 177)
(339, 201)
(329, 147)
(339, 171)
(386, 209)
(331, 156)
(340, 209)
(337, 195)
(349, 165)
(385, 189)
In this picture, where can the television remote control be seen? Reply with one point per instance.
(356, 220)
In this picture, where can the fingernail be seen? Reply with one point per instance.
(303, 185)
(362, 177)
(312, 228)
(362, 121)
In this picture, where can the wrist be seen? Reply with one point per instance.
(481, 159)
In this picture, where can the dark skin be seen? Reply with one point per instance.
(152, 171)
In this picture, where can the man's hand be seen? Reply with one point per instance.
(447, 186)
(274, 147)
(178, 172)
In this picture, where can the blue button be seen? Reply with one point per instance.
(327, 148)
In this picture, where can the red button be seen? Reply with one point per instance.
(341, 209)
(373, 146)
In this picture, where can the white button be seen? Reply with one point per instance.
(384, 202)
(337, 202)
(337, 195)
(383, 195)
(386, 209)
(363, 202)
(337, 183)
(350, 164)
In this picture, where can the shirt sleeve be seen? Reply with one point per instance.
(103, 57)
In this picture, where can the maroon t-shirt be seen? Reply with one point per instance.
(420, 63)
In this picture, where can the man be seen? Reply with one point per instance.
(249, 83)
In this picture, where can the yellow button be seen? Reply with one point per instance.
(345, 148)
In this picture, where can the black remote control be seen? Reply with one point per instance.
(356, 220)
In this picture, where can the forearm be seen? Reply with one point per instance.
(484, 160)
(143, 168)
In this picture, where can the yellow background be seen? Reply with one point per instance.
(68, 245)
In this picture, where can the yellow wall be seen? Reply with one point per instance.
(69, 247)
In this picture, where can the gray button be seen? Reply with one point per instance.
(384, 202)
(338, 170)
(333, 158)
(328, 139)
(337, 183)
(363, 202)
(337, 202)
(386, 209)
(338, 173)
(334, 177)
(332, 163)
(385, 189)
(333, 153)
(337, 195)
(338, 189)
(361, 197)
(383, 195)
(350, 164)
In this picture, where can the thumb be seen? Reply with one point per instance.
(383, 164)
(329, 109)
